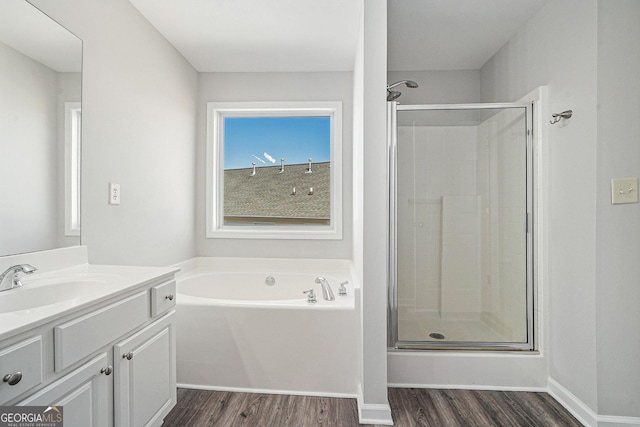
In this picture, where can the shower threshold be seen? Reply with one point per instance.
(420, 330)
(461, 345)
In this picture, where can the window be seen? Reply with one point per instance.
(274, 170)
(73, 135)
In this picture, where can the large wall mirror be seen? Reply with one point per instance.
(40, 131)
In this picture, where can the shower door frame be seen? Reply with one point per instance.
(392, 289)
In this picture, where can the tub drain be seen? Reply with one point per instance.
(436, 336)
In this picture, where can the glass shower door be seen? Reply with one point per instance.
(461, 231)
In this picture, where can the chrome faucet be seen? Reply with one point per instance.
(327, 293)
(10, 279)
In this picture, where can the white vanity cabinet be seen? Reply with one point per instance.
(108, 364)
(145, 375)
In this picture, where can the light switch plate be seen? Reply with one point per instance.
(114, 193)
(624, 190)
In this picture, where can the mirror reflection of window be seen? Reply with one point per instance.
(274, 170)
(73, 139)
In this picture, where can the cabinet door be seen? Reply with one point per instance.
(145, 380)
(83, 395)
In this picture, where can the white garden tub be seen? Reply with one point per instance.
(237, 332)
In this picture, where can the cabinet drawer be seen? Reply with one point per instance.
(80, 337)
(23, 359)
(163, 297)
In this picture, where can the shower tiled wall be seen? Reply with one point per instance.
(433, 162)
(461, 203)
(501, 148)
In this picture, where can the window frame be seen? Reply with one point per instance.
(216, 113)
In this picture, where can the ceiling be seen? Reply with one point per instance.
(451, 34)
(321, 35)
(34, 34)
(258, 35)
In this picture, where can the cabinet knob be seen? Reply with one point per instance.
(128, 356)
(12, 379)
(107, 371)
(169, 297)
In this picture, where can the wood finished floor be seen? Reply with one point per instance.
(409, 407)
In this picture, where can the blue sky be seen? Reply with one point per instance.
(265, 140)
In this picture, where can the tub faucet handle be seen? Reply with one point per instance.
(311, 297)
(342, 290)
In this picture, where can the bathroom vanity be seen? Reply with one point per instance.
(97, 340)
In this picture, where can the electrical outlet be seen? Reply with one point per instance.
(624, 190)
(114, 193)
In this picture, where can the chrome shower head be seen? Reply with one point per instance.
(392, 95)
(408, 83)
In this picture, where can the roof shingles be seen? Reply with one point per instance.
(269, 193)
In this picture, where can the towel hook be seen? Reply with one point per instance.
(559, 116)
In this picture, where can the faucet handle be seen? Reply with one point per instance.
(10, 278)
(311, 297)
(27, 268)
(342, 290)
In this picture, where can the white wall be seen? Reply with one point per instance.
(29, 153)
(372, 399)
(618, 227)
(139, 123)
(321, 86)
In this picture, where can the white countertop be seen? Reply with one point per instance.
(70, 289)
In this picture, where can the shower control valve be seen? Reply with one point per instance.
(311, 296)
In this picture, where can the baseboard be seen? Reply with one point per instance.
(267, 391)
(613, 421)
(374, 414)
(583, 413)
(469, 387)
(577, 407)
(369, 413)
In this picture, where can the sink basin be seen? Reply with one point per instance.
(46, 291)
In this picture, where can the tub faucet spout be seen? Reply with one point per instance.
(327, 293)
(10, 279)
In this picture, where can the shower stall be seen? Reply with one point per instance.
(461, 196)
